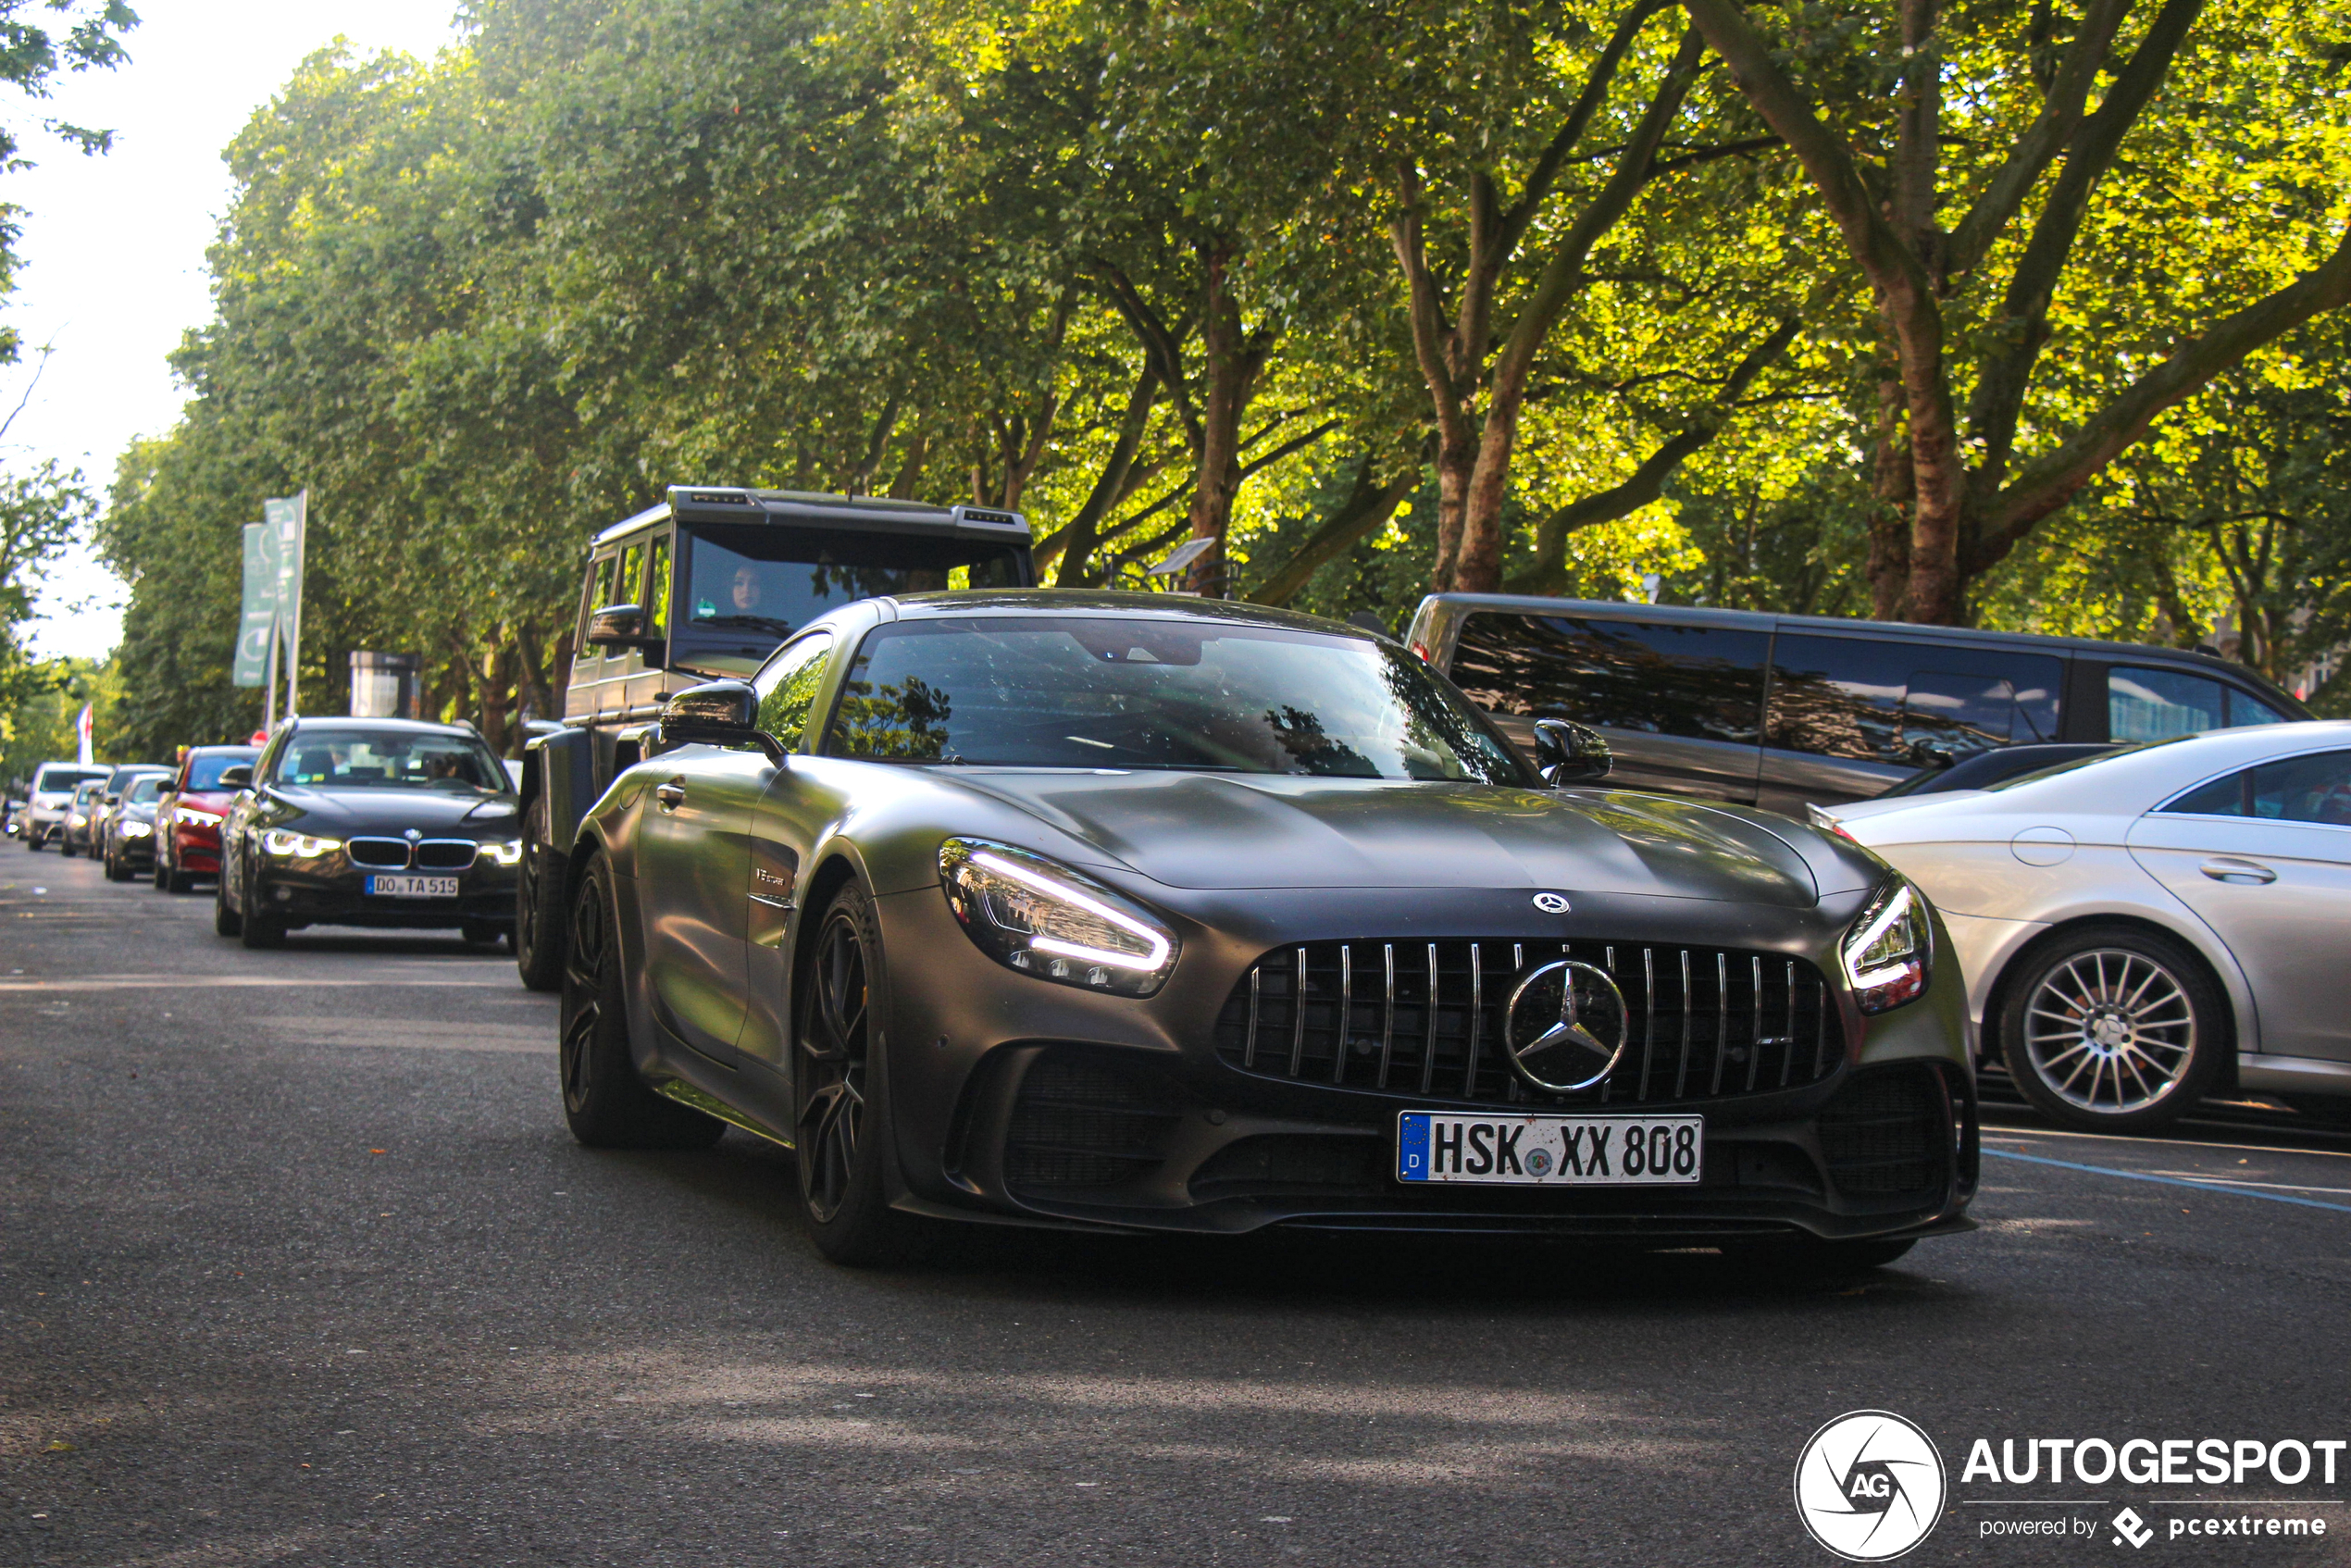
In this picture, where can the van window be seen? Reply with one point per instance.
(1896, 702)
(2314, 789)
(629, 585)
(598, 595)
(2156, 704)
(1705, 682)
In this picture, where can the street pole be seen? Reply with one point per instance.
(293, 642)
(269, 708)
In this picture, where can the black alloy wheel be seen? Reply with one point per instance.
(840, 1130)
(2112, 1028)
(607, 1103)
(65, 845)
(161, 873)
(539, 925)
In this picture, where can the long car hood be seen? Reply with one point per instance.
(1190, 830)
(428, 811)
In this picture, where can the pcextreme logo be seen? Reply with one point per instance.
(1870, 1485)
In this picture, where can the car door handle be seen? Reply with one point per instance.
(2228, 868)
(671, 795)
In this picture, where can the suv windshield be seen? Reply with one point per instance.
(379, 759)
(60, 779)
(1120, 692)
(749, 587)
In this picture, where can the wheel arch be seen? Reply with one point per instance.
(2225, 979)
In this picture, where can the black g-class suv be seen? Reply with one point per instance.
(703, 587)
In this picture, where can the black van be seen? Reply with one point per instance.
(1781, 711)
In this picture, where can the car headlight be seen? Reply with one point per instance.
(1044, 919)
(133, 828)
(198, 813)
(507, 854)
(289, 845)
(1889, 951)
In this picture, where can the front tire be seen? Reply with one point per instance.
(539, 925)
(259, 930)
(841, 1125)
(2112, 1029)
(226, 922)
(607, 1103)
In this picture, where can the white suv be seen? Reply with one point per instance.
(53, 787)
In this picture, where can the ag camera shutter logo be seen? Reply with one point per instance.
(1870, 1485)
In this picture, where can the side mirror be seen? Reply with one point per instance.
(238, 776)
(110, 801)
(617, 625)
(1569, 753)
(717, 713)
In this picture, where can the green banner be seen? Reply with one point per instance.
(260, 618)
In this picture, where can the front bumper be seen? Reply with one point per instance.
(196, 848)
(1019, 1099)
(334, 893)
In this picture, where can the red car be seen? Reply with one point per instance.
(188, 817)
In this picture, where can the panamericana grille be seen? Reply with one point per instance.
(1428, 1018)
(1883, 1133)
(382, 855)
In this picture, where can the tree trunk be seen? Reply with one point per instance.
(1231, 358)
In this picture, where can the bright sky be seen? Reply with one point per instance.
(114, 246)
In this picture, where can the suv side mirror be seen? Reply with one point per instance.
(1569, 753)
(717, 713)
(617, 625)
(237, 776)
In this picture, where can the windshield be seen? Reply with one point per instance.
(1133, 693)
(204, 772)
(750, 587)
(378, 759)
(143, 790)
(59, 778)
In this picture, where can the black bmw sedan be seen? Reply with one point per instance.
(1139, 912)
(368, 822)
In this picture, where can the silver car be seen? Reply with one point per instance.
(2143, 929)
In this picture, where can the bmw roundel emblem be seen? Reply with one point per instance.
(1552, 903)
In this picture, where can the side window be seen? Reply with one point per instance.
(658, 589)
(629, 584)
(2313, 789)
(2156, 704)
(786, 687)
(1701, 682)
(1874, 701)
(598, 595)
(2246, 708)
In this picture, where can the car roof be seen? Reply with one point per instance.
(1766, 620)
(734, 504)
(391, 726)
(216, 750)
(1104, 602)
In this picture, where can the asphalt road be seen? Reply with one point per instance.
(297, 1264)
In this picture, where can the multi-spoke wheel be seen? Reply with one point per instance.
(606, 1101)
(841, 1132)
(2112, 1027)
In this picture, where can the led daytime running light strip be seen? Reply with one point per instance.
(1865, 938)
(1067, 894)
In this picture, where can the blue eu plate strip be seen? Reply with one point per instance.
(1412, 1147)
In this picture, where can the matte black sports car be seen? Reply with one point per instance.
(1153, 914)
(368, 822)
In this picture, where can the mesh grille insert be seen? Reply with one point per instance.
(383, 854)
(1080, 1122)
(1883, 1134)
(446, 854)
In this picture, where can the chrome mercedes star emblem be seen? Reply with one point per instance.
(1551, 904)
(1568, 1025)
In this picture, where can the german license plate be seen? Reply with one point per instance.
(412, 886)
(1446, 1146)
